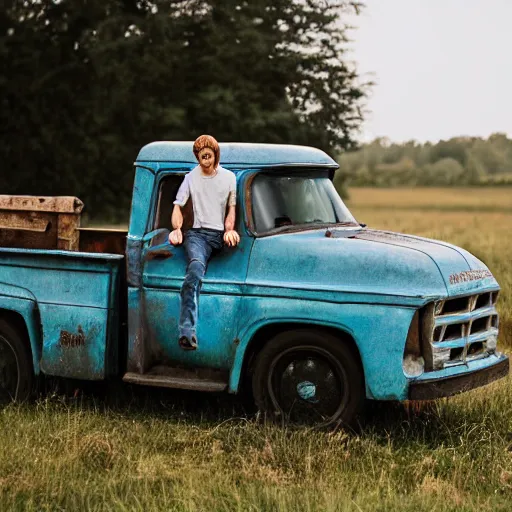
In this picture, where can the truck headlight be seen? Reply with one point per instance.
(413, 363)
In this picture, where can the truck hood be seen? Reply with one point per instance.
(366, 261)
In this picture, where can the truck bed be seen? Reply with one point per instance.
(78, 298)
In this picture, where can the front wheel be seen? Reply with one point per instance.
(16, 373)
(308, 378)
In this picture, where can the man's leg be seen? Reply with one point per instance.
(198, 251)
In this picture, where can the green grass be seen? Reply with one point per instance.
(176, 451)
(149, 450)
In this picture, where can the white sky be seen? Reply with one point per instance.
(442, 68)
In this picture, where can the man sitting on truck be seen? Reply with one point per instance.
(211, 188)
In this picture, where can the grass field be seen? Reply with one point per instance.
(190, 452)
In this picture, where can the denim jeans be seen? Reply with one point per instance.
(199, 244)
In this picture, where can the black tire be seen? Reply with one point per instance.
(304, 377)
(16, 371)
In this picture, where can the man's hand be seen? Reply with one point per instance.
(231, 238)
(176, 237)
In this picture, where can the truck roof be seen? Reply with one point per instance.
(239, 154)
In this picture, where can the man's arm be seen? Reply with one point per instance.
(176, 236)
(229, 223)
(231, 237)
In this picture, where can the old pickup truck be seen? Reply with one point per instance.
(312, 311)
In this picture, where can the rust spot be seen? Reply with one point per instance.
(68, 339)
(328, 234)
(236, 341)
(58, 204)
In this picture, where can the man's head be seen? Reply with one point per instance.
(207, 152)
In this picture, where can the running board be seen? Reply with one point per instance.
(180, 378)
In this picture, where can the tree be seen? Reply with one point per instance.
(474, 161)
(86, 83)
(446, 171)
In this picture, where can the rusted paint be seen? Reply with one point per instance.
(67, 233)
(61, 204)
(68, 339)
(469, 275)
(370, 289)
(76, 355)
(28, 230)
(40, 222)
(23, 222)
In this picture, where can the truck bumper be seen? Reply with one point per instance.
(430, 388)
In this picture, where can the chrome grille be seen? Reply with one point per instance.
(462, 329)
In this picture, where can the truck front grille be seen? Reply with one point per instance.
(460, 329)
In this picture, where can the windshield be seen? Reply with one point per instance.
(281, 202)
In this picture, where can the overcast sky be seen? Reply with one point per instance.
(442, 67)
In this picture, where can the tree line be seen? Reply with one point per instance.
(457, 161)
(85, 83)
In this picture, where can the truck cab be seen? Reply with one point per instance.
(313, 311)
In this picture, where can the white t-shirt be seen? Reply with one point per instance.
(210, 195)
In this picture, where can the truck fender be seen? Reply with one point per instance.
(242, 352)
(16, 300)
(378, 332)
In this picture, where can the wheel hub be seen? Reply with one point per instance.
(307, 391)
(307, 386)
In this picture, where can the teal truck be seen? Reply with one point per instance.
(312, 311)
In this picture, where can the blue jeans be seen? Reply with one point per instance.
(199, 244)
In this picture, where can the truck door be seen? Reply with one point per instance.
(219, 302)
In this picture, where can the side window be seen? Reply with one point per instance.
(166, 196)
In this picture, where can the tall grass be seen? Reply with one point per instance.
(168, 450)
(177, 451)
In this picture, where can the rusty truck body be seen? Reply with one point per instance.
(312, 310)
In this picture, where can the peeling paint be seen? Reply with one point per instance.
(68, 339)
